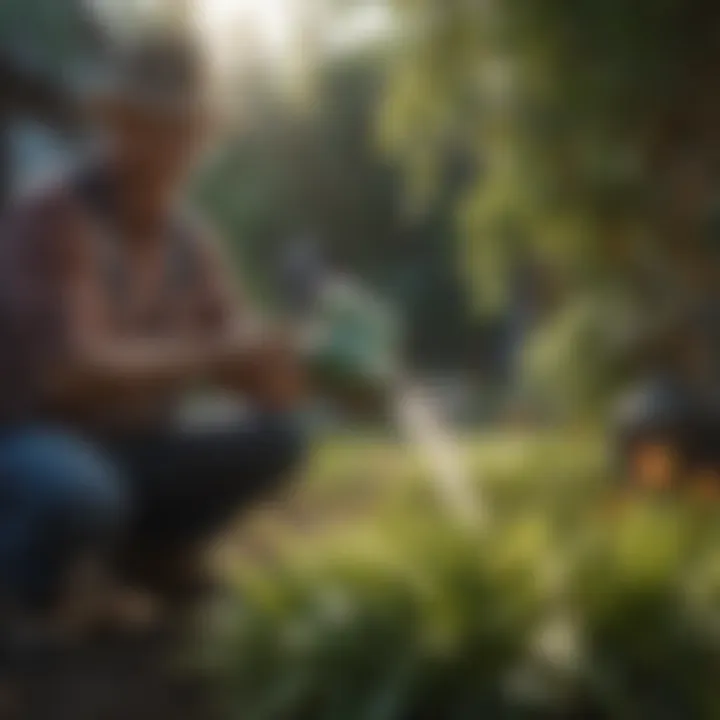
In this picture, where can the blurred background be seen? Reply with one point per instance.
(531, 188)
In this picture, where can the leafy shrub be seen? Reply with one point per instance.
(408, 616)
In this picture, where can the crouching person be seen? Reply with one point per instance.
(112, 307)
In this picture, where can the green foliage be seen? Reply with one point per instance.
(572, 364)
(48, 32)
(556, 609)
(377, 625)
(593, 127)
(568, 107)
(562, 103)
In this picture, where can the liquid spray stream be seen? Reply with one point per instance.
(428, 434)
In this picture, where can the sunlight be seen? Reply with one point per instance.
(270, 21)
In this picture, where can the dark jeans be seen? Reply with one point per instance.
(62, 494)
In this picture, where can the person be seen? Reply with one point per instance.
(666, 427)
(113, 304)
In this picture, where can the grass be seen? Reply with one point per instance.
(554, 609)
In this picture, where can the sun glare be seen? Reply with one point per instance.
(270, 21)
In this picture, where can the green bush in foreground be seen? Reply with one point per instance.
(410, 616)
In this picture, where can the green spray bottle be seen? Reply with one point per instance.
(351, 339)
(353, 345)
(352, 342)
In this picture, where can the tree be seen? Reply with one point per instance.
(590, 115)
(595, 123)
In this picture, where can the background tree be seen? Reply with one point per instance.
(595, 125)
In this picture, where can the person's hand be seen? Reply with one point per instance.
(277, 379)
(264, 365)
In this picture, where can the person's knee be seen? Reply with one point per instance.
(93, 503)
(74, 489)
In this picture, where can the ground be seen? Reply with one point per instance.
(132, 678)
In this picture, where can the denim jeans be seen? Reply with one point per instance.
(63, 493)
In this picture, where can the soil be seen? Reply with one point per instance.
(129, 678)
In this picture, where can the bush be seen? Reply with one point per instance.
(408, 616)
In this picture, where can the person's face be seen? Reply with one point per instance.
(157, 148)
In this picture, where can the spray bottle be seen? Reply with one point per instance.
(352, 341)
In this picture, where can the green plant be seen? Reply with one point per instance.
(551, 609)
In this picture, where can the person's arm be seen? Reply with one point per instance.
(256, 358)
(87, 361)
(236, 353)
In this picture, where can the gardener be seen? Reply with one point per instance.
(112, 306)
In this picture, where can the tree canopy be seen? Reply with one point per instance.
(594, 131)
(595, 124)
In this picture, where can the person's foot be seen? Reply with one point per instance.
(127, 612)
(178, 574)
(96, 603)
